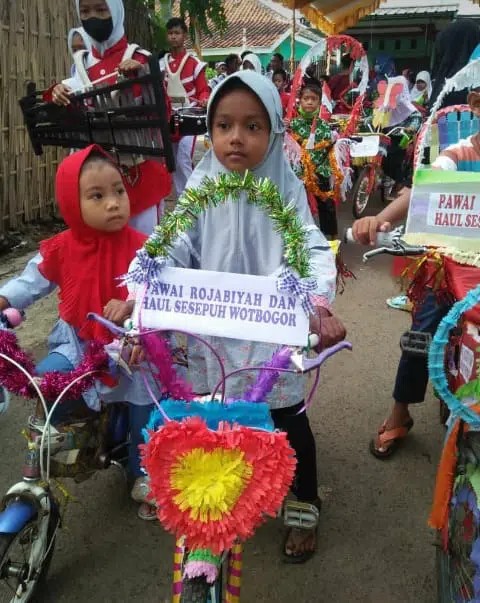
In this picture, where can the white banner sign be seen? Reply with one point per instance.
(367, 147)
(454, 210)
(237, 306)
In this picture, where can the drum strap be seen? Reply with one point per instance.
(81, 55)
(175, 89)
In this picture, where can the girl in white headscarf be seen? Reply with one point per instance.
(245, 122)
(422, 91)
(251, 63)
(78, 39)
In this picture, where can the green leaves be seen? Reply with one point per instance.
(203, 15)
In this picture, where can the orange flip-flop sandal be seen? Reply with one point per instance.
(388, 440)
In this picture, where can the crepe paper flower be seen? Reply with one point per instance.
(216, 487)
(202, 562)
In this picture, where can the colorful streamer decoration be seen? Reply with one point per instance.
(216, 487)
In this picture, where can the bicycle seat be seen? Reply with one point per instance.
(461, 279)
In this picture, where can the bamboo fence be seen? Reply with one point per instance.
(33, 47)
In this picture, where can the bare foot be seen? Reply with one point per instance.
(300, 541)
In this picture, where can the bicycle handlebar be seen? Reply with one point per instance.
(389, 243)
(301, 363)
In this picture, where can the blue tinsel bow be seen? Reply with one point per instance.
(146, 271)
(288, 282)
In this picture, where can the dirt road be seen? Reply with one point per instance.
(374, 544)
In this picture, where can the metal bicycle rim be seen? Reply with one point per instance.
(464, 532)
(362, 196)
(17, 579)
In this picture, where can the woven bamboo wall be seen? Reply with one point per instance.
(33, 48)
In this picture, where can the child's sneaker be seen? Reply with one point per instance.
(140, 494)
(140, 490)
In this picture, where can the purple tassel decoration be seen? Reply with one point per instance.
(268, 376)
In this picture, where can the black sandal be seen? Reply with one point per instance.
(300, 516)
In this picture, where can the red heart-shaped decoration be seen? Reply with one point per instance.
(216, 487)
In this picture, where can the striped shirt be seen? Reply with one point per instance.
(463, 156)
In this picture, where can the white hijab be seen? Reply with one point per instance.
(117, 12)
(241, 237)
(254, 60)
(87, 40)
(415, 93)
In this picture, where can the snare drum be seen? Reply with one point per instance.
(189, 121)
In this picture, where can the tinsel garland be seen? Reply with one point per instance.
(52, 383)
(213, 192)
(310, 171)
(424, 275)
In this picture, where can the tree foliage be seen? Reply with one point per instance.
(202, 17)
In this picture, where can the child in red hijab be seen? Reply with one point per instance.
(84, 263)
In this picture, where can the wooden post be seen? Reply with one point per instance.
(292, 48)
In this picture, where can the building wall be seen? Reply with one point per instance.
(284, 49)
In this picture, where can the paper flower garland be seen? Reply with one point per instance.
(215, 487)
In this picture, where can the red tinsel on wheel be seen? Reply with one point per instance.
(53, 383)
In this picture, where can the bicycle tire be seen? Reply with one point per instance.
(359, 207)
(442, 563)
(195, 590)
(39, 579)
(455, 568)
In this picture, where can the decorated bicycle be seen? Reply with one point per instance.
(216, 466)
(442, 231)
(383, 154)
(317, 142)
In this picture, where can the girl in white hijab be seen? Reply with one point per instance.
(422, 91)
(78, 39)
(245, 122)
(251, 63)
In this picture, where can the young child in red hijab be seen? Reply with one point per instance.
(84, 263)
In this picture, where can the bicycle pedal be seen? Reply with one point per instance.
(415, 343)
(300, 515)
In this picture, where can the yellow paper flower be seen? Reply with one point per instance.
(209, 483)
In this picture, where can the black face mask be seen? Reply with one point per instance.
(98, 29)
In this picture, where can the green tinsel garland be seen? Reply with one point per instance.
(213, 192)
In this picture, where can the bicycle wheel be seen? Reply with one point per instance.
(198, 590)
(361, 193)
(19, 580)
(458, 569)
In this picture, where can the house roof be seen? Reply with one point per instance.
(252, 25)
(403, 7)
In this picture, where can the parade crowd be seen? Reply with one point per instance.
(110, 212)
